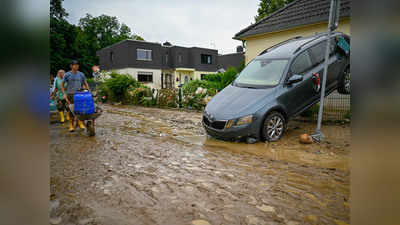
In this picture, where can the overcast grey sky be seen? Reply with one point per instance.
(201, 23)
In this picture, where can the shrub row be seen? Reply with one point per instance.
(114, 87)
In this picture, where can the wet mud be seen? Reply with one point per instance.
(157, 166)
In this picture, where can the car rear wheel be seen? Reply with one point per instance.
(344, 82)
(274, 126)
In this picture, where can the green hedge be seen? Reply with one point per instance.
(220, 81)
(122, 88)
(213, 83)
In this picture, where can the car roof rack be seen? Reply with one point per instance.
(279, 44)
(317, 35)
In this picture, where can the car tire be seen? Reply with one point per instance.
(273, 127)
(344, 82)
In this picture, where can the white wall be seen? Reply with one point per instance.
(134, 73)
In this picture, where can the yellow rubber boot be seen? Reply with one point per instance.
(61, 117)
(71, 126)
(81, 124)
(67, 116)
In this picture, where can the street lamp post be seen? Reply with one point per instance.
(333, 24)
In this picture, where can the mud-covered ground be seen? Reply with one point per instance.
(154, 166)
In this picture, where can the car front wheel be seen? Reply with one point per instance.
(274, 126)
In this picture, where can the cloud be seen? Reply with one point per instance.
(204, 23)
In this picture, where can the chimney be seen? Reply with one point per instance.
(167, 43)
(239, 48)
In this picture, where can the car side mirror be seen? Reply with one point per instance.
(294, 79)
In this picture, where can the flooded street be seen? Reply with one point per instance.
(157, 166)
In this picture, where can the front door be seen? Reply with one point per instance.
(186, 78)
(168, 81)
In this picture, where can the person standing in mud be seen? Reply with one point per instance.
(76, 80)
(58, 95)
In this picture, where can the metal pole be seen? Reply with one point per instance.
(318, 135)
(180, 95)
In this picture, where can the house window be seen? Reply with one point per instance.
(205, 59)
(179, 58)
(112, 57)
(166, 59)
(145, 77)
(143, 54)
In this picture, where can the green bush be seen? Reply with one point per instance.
(118, 84)
(167, 98)
(348, 115)
(122, 88)
(228, 77)
(138, 96)
(212, 82)
(194, 102)
(220, 81)
(191, 87)
(104, 94)
(212, 77)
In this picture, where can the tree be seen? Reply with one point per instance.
(68, 41)
(267, 7)
(97, 33)
(56, 9)
(105, 30)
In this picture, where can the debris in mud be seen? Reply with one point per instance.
(85, 221)
(338, 222)
(251, 140)
(254, 220)
(55, 221)
(311, 219)
(266, 208)
(306, 139)
(253, 201)
(200, 222)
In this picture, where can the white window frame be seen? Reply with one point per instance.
(145, 50)
(145, 74)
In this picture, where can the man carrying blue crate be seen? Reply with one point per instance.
(76, 81)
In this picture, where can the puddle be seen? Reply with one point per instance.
(274, 151)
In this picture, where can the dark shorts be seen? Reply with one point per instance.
(70, 98)
(71, 101)
(61, 104)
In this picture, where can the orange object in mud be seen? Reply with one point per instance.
(306, 139)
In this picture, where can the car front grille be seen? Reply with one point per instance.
(219, 125)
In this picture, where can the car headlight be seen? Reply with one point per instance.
(238, 122)
(244, 120)
(229, 123)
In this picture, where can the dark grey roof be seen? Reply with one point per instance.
(297, 13)
(230, 60)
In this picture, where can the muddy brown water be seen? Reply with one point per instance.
(157, 166)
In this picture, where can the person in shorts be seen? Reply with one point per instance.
(58, 95)
(75, 81)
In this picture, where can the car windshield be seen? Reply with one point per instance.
(261, 72)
